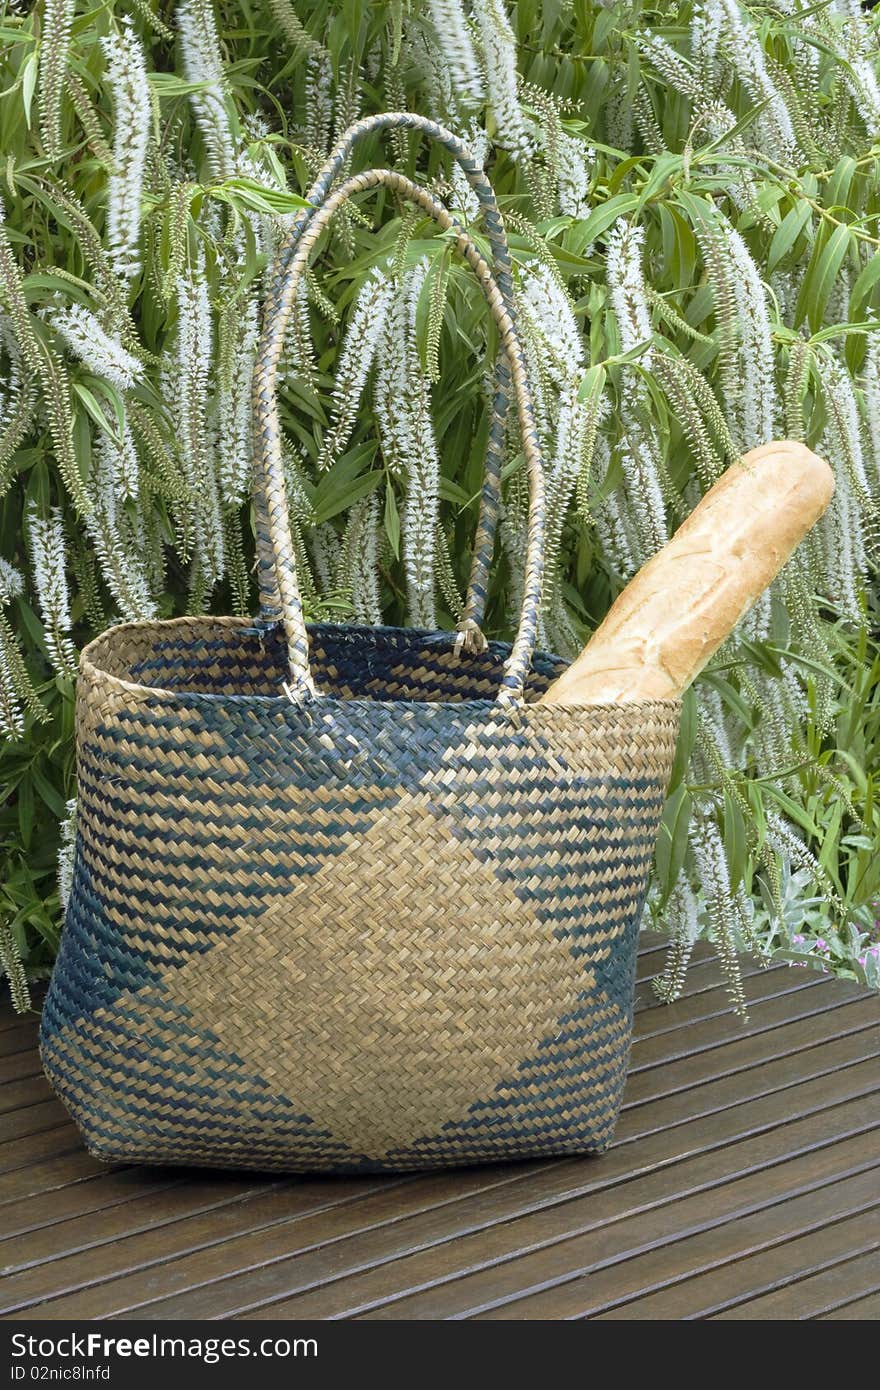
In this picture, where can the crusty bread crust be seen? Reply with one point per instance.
(682, 604)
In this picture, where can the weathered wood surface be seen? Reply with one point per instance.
(744, 1183)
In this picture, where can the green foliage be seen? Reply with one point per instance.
(704, 210)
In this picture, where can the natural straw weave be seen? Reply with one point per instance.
(346, 898)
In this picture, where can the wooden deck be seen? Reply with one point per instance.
(744, 1183)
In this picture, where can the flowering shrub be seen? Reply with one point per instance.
(692, 198)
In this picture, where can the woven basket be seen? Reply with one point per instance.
(345, 899)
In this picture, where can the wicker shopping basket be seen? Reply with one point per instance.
(344, 898)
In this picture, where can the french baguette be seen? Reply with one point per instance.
(679, 608)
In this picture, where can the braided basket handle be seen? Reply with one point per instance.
(268, 431)
(484, 544)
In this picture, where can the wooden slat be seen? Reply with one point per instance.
(46, 1143)
(743, 1175)
(16, 1065)
(602, 1285)
(486, 1217)
(859, 1310)
(664, 1112)
(478, 1180)
(20, 1033)
(243, 1237)
(508, 1252)
(142, 1212)
(705, 961)
(8, 1017)
(19, 1095)
(706, 972)
(683, 1069)
(631, 1159)
(706, 1294)
(33, 1119)
(234, 1253)
(650, 957)
(89, 1192)
(821, 1293)
(714, 1003)
(747, 1041)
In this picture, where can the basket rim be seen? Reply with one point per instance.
(93, 670)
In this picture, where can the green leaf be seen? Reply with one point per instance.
(25, 797)
(764, 657)
(631, 355)
(29, 74)
(592, 383)
(790, 228)
(30, 622)
(622, 170)
(673, 839)
(450, 491)
(73, 288)
(792, 809)
(591, 228)
(96, 411)
(687, 737)
(679, 246)
(759, 819)
(730, 695)
(100, 387)
(665, 167)
(346, 497)
(168, 84)
(727, 138)
(809, 663)
(838, 189)
(48, 794)
(829, 850)
(257, 197)
(822, 273)
(844, 330)
(392, 519)
(735, 840)
(865, 282)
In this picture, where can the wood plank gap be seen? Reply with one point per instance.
(736, 1103)
(749, 1030)
(635, 1210)
(495, 1177)
(863, 1308)
(84, 1184)
(687, 1233)
(72, 1145)
(199, 1209)
(723, 1005)
(531, 1208)
(776, 1305)
(749, 1066)
(570, 1163)
(640, 1305)
(798, 1276)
